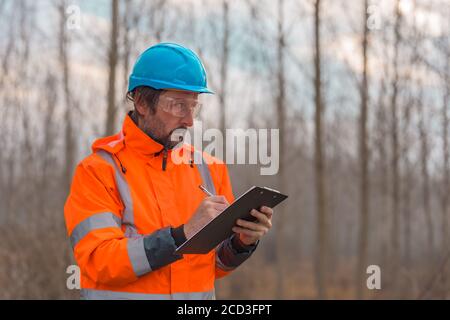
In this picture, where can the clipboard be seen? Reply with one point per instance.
(220, 228)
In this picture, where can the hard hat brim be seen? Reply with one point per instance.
(163, 85)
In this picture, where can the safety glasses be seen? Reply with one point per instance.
(180, 107)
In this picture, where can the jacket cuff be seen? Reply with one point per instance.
(240, 247)
(160, 248)
(229, 258)
(178, 235)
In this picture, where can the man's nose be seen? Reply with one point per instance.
(188, 120)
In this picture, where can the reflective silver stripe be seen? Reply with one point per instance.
(91, 294)
(206, 175)
(96, 221)
(138, 257)
(125, 195)
(135, 245)
(208, 295)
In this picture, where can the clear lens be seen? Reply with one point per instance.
(181, 107)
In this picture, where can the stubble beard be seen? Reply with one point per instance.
(156, 129)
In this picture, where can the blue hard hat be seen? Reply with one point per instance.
(169, 66)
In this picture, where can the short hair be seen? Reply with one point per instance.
(146, 95)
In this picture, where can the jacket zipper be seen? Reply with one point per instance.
(164, 160)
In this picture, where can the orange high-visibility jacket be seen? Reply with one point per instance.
(124, 201)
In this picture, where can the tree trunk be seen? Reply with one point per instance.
(406, 191)
(224, 68)
(112, 61)
(69, 139)
(126, 42)
(364, 165)
(49, 140)
(281, 112)
(319, 163)
(424, 153)
(395, 231)
(383, 185)
(446, 159)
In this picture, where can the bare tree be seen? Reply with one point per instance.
(381, 176)
(281, 112)
(111, 111)
(49, 139)
(224, 65)
(408, 181)
(127, 24)
(8, 50)
(395, 231)
(69, 139)
(424, 154)
(406, 145)
(445, 194)
(319, 161)
(364, 163)
(442, 45)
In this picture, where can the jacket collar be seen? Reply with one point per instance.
(138, 140)
(131, 136)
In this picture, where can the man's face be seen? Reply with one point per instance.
(170, 115)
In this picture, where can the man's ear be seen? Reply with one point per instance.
(140, 107)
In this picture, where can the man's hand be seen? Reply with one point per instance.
(250, 232)
(208, 209)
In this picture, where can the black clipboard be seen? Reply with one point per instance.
(220, 228)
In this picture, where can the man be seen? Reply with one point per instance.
(131, 205)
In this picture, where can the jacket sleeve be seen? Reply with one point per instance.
(231, 252)
(93, 215)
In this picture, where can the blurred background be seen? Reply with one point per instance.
(358, 89)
